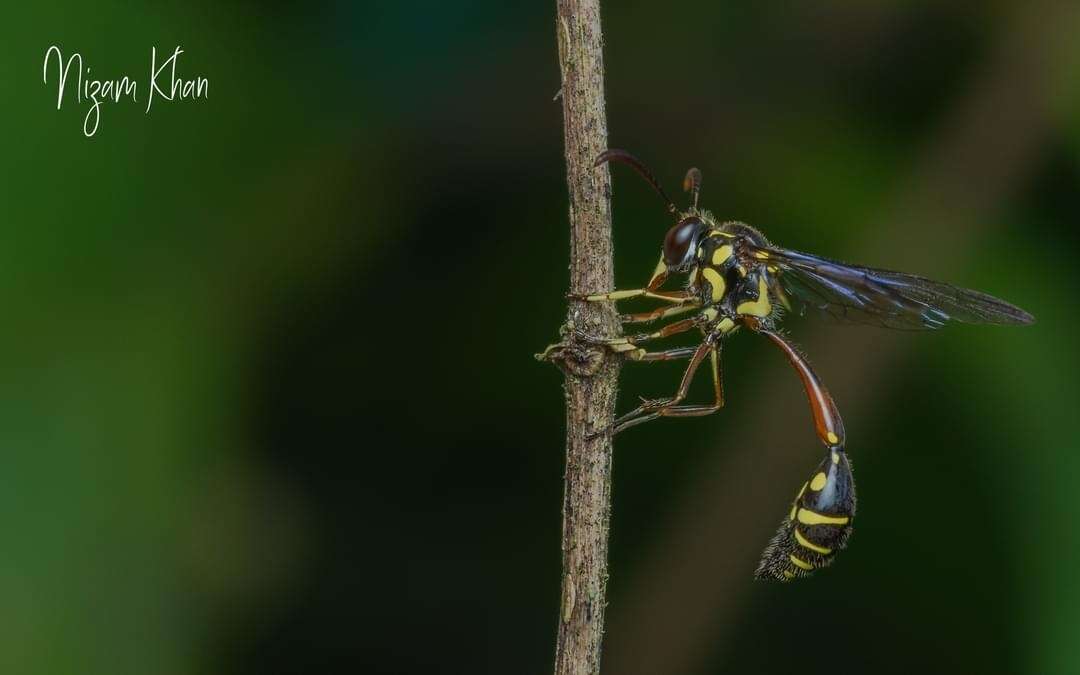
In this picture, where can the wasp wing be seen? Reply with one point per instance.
(881, 297)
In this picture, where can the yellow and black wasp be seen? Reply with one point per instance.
(736, 279)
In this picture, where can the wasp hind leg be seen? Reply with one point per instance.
(650, 410)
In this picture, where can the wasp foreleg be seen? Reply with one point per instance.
(651, 290)
(677, 297)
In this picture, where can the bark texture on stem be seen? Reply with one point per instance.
(591, 375)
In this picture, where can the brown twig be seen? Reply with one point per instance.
(591, 375)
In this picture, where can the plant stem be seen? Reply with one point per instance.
(591, 375)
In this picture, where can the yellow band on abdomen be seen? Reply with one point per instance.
(799, 562)
(808, 517)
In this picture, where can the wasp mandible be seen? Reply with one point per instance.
(737, 279)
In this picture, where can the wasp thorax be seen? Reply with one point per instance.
(681, 241)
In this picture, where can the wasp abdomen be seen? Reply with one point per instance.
(818, 524)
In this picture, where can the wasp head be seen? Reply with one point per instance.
(681, 243)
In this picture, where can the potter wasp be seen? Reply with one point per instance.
(737, 279)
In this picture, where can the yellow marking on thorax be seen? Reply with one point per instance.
(788, 575)
(726, 325)
(761, 255)
(808, 517)
(835, 457)
(806, 543)
(717, 283)
(718, 233)
(833, 438)
(819, 481)
(721, 254)
(799, 562)
(710, 313)
(760, 307)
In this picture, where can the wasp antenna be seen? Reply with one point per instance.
(643, 171)
(692, 183)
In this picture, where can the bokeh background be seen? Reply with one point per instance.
(267, 395)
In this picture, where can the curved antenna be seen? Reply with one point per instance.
(643, 171)
(692, 183)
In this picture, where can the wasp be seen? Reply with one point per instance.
(737, 280)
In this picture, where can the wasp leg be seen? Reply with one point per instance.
(718, 393)
(639, 353)
(660, 312)
(650, 410)
(629, 343)
(677, 297)
(652, 289)
(827, 422)
(666, 355)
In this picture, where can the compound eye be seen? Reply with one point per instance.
(680, 240)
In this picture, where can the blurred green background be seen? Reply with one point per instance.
(268, 402)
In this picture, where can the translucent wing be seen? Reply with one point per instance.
(881, 297)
